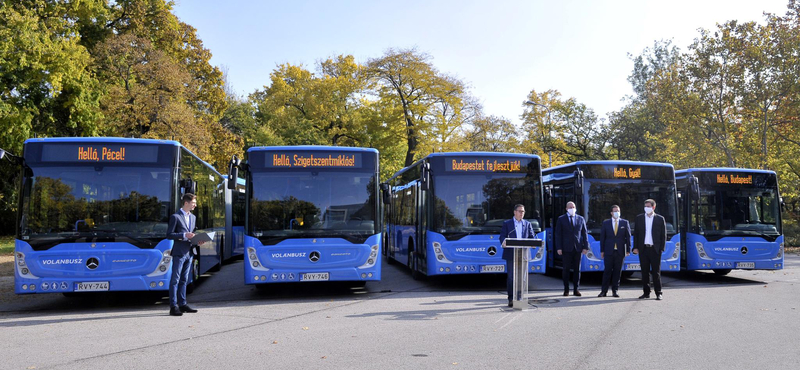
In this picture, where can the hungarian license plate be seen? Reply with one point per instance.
(633, 267)
(315, 276)
(745, 265)
(493, 268)
(94, 286)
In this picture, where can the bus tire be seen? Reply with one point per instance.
(412, 262)
(358, 284)
(627, 274)
(221, 252)
(194, 275)
(722, 272)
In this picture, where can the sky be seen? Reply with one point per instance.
(501, 49)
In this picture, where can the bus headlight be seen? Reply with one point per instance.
(780, 252)
(437, 250)
(253, 260)
(373, 257)
(590, 255)
(701, 251)
(163, 265)
(22, 267)
(676, 251)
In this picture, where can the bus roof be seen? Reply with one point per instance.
(120, 140)
(723, 169)
(311, 148)
(607, 162)
(461, 154)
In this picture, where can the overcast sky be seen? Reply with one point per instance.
(502, 49)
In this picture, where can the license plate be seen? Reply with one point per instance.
(633, 267)
(745, 265)
(95, 286)
(493, 268)
(315, 276)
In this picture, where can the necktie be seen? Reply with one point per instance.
(615, 233)
(572, 220)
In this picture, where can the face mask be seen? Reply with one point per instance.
(571, 211)
(648, 210)
(615, 214)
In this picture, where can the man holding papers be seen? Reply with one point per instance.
(180, 229)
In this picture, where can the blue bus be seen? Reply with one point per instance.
(444, 213)
(312, 214)
(730, 219)
(93, 214)
(235, 204)
(595, 186)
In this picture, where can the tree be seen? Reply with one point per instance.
(492, 134)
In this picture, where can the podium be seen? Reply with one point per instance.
(519, 268)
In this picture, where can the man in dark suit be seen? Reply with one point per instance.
(649, 240)
(180, 229)
(615, 245)
(571, 239)
(516, 227)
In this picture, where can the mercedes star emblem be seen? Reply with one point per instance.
(492, 251)
(92, 263)
(744, 250)
(314, 256)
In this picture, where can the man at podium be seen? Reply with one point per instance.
(516, 227)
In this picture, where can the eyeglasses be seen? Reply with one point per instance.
(522, 211)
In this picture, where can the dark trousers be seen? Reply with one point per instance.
(612, 270)
(510, 283)
(571, 260)
(650, 260)
(181, 265)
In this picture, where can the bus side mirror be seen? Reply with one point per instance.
(548, 195)
(386, 193)
(578, 182)
(233, 172)
(425, 178)
(694, 186)
(189, 186)
(783, 204)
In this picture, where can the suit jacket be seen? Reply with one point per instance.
(622, 239)
(175, 230)
(569, 238)
(509, 231)
(659, 233)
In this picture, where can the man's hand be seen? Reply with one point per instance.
(203, 242)
(559, 252)
(602, 255)
(189, 236)
(504, 243)
(584, 251)
(627, 254)
(635, 251)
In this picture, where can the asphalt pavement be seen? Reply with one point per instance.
(746, 320)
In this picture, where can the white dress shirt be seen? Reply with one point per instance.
(186, 219)
(518, 227)
(648, 228)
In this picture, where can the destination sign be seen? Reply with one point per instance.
(734, 179)
(313, 160)
(99, 153)
(497, 165)
(619, 171)
(628, 173)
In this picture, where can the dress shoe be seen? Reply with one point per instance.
(187, 309)
(603, 294)
(576, 293)
(566, 292)
(174, 311)
(644, 296)
(510, 304)
(659, 297)
(615, 295)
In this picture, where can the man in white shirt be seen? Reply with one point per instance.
(649, 240)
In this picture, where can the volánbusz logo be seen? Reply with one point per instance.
(481, 249)
(63, 261)
(289, 255)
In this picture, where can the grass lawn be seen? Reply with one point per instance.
(6, 244)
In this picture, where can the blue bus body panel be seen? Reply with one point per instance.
(288, 260)
(237, 241)
(58, 269)
(734, 252)
(474, 253)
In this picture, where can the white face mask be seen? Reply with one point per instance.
(648, 210)
(615, 214)
(571, 211)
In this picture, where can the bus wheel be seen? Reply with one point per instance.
(627, 274)
(195, 275)
(220, 254)
(412, 264)
(358, 284)
(722, 272)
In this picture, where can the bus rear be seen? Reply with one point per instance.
(312, 215)
(93, 215)
(732, 219)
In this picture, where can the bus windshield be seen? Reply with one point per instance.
(478, 204)
(320, 204)
(738, 212)
(95, 203)
(630, 197)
